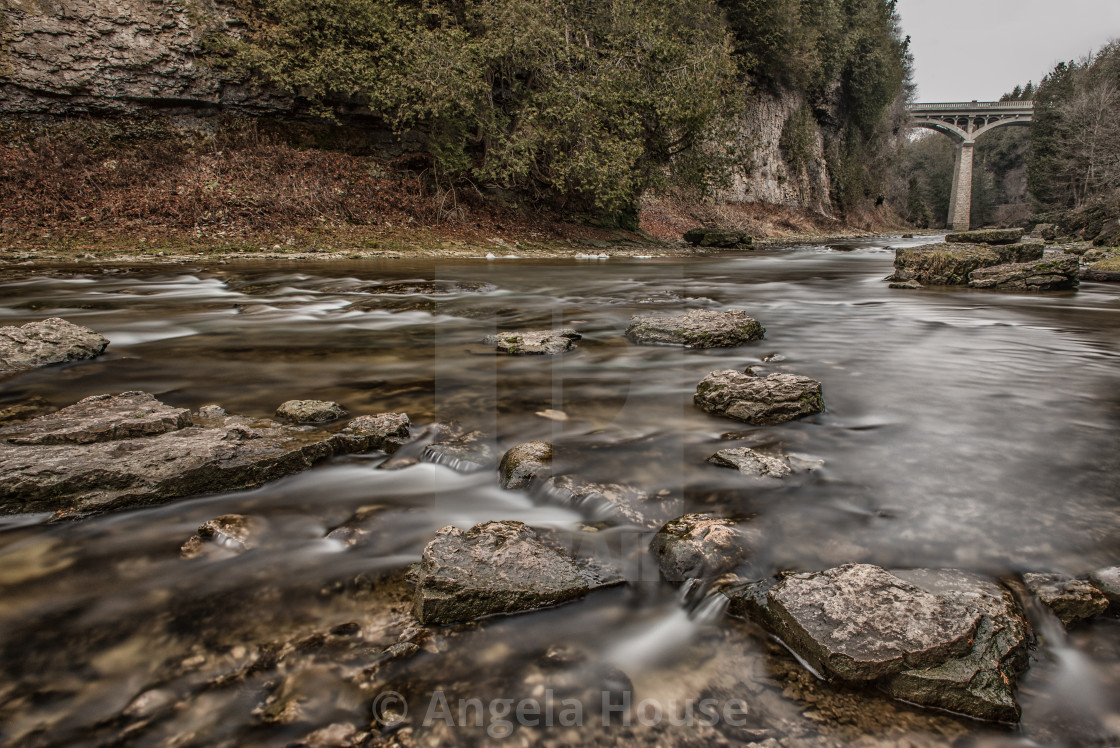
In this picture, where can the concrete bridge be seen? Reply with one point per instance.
(964, 123)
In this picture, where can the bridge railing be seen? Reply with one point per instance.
(970, 106)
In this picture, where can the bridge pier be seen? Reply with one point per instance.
(960, 200)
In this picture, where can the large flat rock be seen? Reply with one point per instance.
(696, 329)
(986, 236)
(534, 342)
(761, 401)
(498, 568)
(859, 622)
(1053, 273)
(952, 264)
(49, 341)
(108, 452)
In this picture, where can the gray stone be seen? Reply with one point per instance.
(986, 236)
(606, 501)
(980, 682)
(310, 411)
(859, 622)
(101, 418)
(430, 288)
(82, 462)
(752, 463)
(234, 533)
(1108, 582)
(49, 341)
(534, 342)
(951, 264)
(1053, 273)
(466, 453)
(717, 237)
(212, 411)
(761, 401)
(696, 329)
(700, 546)
(1072, 600)
(910, 285)
(524, 463)
(498, 568)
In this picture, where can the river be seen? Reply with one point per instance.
(963, 429)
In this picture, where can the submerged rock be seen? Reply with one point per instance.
(716, 237)
(231, 532)
(310, 411)
(534, 342)
(1108, 582)
(1072, 600)
(749, 462)
(109, 451)
(761, 401)
(1048, 274)
(986, 236)
(610, 501)
(700, 546)
(951, 264)
(524, 463)
(696, 329)
(49, 341)
(981, 681)
(429, 288)
(498, 568)
(466, 453)
(859, 622)
(910, 285)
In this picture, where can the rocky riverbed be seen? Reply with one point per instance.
(767, 483)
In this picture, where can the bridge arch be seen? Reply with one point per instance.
(964, 122)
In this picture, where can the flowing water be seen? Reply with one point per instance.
(963, 429)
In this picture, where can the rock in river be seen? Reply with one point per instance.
(498, 568)
(951, 264)
(1072, 600)
(50, 341)
(107, 452)
(233, 533)
(761, 401)
(749, 462)
(859, 622)
(696, 329)
(522, 464)
(534, 342)
(310, 411)
(986, 236)
(1108, 582)
(700, 546)
(1048, 274)
(717, 237)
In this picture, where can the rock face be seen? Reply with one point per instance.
(1072, 600)
(986, 236)
(951, 265)
(535, 342)
(980, 682)
(50, 341)
(697, 329)
(1108, 582)
(1048, 274)
(231, 532)
(108, 452)
(498, 568)
(523, 463)
(859, 622)
(716, 237)
(310, 411)
(761, 401)
(700, 546)
(752, 463)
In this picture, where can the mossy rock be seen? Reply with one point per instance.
(717, 237)
(986, 236)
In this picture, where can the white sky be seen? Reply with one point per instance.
(981, 49)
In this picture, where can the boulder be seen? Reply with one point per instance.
(951, 264)
(761, 401)
(1053, 273)
(981, 681)
(1108, 582)
(310, 411)
(108, 452)
(700, 546)
(752, 463)
(498, 568)
(1045, 231)
(859, 622)
(716, 237)
(1109, 235)
(1072, 600)
(50, 341)
(986, 236)
(522, 464)
(232, 532)
(534, 342)
(696, 329)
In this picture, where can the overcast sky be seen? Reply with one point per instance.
(980, 49)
